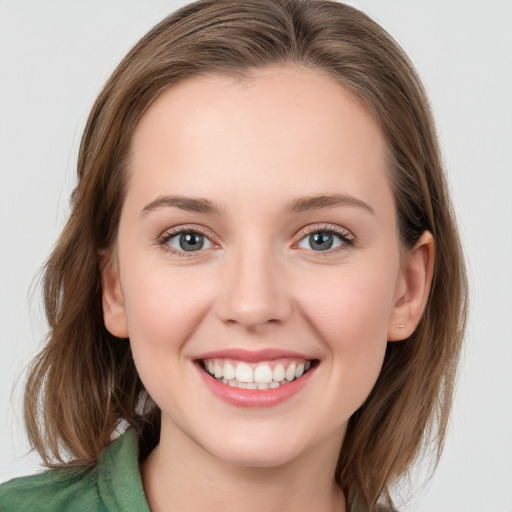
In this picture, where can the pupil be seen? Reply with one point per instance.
(191, 241)
(321, 241)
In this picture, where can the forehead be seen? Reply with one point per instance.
(281, 128)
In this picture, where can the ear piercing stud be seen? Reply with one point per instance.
(400, 326)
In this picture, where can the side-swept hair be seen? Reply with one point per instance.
(84, 380)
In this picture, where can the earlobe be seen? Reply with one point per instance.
(114, 313)
(415, 283)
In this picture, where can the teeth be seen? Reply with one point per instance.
(252, 385)
(217, 368)
(278, 373)
(229, 371)
(263, 374)
(290, 372)
(257, 376)
(244, 373)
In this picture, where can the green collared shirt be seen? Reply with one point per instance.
(114, 485)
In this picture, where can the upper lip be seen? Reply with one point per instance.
(252, 356)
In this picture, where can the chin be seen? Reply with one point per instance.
(250, 457)
(266, 450)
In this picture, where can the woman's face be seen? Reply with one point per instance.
(258, 239)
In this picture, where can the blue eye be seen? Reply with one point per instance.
(184, 242)
(187, 241)
(324, 240)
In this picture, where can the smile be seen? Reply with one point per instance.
(262, 376)
(255, 378)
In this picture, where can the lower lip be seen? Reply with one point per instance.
(255, 397)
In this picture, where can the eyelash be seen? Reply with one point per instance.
(343, 234)
(169, 235)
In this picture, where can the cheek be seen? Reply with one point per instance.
(164, 307)
(351, 316)
(164, 310)
(357, 301)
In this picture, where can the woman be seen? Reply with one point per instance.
(261, 273)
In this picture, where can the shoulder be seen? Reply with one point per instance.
(113, 485)
(54, 490)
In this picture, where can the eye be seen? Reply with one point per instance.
(185, 241)
(325, 239)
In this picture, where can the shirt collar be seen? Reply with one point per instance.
(119, 480)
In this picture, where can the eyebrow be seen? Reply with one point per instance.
(189, 204)
(319, 202)
(298, 205)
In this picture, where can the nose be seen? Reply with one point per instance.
(254, 294)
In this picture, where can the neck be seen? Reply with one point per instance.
(180, 475)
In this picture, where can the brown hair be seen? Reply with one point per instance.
(84, 380)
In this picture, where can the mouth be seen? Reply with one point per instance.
(262, 375)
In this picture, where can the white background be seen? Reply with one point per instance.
(54, 57)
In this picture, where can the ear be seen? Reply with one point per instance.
(413, 288)
(114, 313)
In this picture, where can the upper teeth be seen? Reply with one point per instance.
(257, 373)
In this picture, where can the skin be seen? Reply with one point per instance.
(251, 146)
